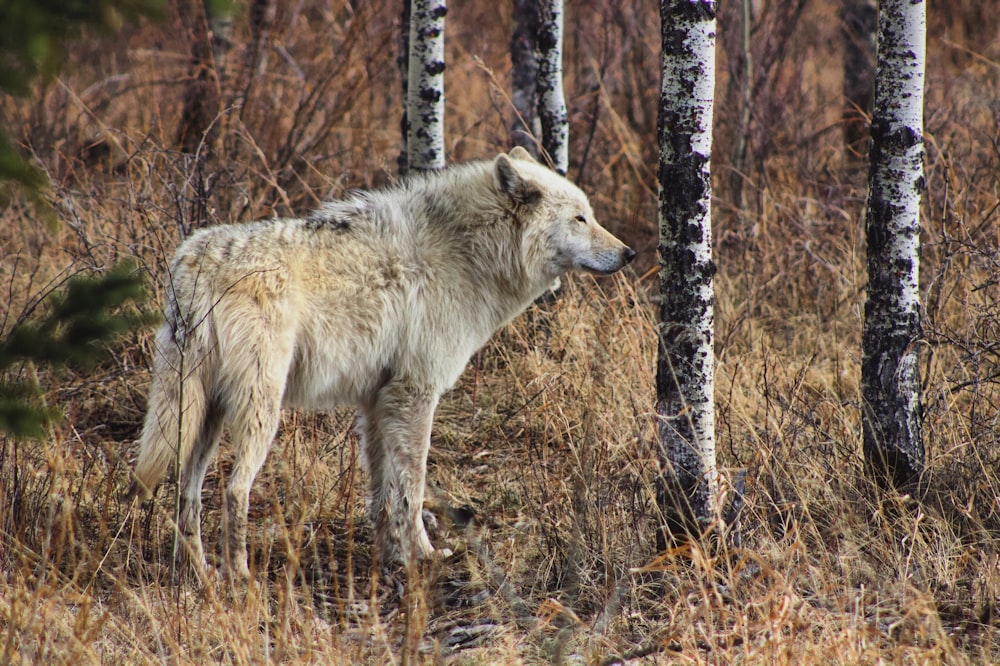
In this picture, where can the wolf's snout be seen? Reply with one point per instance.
(629, 255)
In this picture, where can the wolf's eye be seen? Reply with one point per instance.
(581, 219)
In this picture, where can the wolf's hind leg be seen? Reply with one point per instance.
(192, 478)
(253, 429)
(258, 347)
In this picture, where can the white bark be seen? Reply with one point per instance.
(685, 368)
(425, 92)
(890, 381)
(551, 98)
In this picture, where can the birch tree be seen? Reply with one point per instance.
(551, 98)
(890, 382)
(685, 405)
(425, 91)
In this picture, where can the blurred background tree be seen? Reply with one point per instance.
(34, 35)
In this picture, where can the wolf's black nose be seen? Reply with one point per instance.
(629, 254)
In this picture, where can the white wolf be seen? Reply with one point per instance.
(378, 301)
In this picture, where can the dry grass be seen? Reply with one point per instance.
(547, 441)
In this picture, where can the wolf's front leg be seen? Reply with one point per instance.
(396, 433)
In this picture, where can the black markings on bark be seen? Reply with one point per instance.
(552, 112)
(890, 382)
(425, 97)
(685, 364)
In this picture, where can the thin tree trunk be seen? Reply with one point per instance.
(425, 91)
(403, 62)
(524, 76)
(220, 26)
(551, 98)
(742, 142)
(685, 405)
(202, 95)
(890, 382)
(859, 19)
(260, 17)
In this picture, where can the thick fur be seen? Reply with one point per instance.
(378, 301)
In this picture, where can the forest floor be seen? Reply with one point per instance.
(543, 463)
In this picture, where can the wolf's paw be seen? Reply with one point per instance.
(430, 521)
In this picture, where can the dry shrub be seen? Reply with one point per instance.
(543, 462)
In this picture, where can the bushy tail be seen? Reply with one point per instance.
(175, 417)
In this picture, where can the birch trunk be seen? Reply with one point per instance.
(890, 382)
(425, 91)
(685, 405)
(551, 98)
(524, 76)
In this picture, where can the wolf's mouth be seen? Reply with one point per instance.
(608, 263)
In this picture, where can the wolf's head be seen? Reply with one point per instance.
(560, 232)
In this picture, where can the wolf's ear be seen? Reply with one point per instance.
(509, 180)
(519, 153)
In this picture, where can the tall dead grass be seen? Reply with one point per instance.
(543, 458)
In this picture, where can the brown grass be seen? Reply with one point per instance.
(547, 441)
